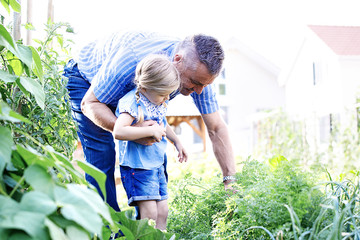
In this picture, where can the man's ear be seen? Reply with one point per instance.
(178, 58)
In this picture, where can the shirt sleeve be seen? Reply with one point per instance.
(206, 102)
(127, 104)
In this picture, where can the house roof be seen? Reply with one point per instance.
(343, 40)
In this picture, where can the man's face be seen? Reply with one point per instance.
(193, 80)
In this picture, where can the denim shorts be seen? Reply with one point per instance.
(142, 184)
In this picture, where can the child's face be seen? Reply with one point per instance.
(155, 97)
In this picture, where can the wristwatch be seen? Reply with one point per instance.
(226, 178)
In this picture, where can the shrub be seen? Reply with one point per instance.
(203, 210)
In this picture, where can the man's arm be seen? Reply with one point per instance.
(97, 112)
(222, 146)
(102, 116)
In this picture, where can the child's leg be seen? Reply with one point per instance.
(148, 209)
(162, 214)
(156, 210)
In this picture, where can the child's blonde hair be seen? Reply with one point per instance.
(157, 73)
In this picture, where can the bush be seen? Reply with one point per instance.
(203, 210)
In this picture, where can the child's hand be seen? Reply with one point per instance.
(183, 156)
(158, 132)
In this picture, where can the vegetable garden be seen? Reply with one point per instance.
(287, 193)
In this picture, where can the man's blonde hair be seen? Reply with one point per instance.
(157, 73)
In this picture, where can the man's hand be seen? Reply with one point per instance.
(148, 141)
(230, 188)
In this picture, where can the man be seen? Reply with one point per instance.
(104, 72)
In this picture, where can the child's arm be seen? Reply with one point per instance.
(124, 131)
(172, 137)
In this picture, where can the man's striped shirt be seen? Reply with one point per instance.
(110, 64)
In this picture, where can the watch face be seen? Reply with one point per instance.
(228, 178)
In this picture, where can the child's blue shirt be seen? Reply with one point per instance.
(135, 155)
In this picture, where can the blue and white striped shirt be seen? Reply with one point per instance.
(110, 64)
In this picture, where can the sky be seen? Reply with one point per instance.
(270, 27)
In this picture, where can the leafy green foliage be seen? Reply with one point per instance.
(275, 200)
(194, 204)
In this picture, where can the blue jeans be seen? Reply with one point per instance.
(98, 144)
(143, 184)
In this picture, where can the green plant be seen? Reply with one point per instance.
(202, 209)
(264, 199)
(279, 134)
(339, 217)
(50, 113)
(195, 202)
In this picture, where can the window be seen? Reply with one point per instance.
(317, 73)
(222, 89)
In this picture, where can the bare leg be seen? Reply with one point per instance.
(156, 210)
(148, 209)
(162, 214)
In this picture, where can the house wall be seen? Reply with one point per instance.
(251, 88)
(350, 74)
(313, 83)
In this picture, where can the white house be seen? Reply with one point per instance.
(323, 80)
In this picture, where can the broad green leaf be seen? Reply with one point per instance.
(63, 164)
(56, 156)
(19, 235)
(7, 114)
(15, 5)
(34, 88)
(7, 77)
(8, 206)
(75, 208)
(92, 199)
(61, 221)
(5, 39)
(39, 179)
(30, 222)
(96, 173)
(22, 88)
(6, 5)
(56, 233)
(24, 53)
(35, 201)
(31, 157)
(75, 233)
(127, 232)
(106, 232)
(140, 229)
(16, 161)
(15, 63)
(36, 64)
(5, 148)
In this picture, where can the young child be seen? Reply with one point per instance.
(141, 167)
